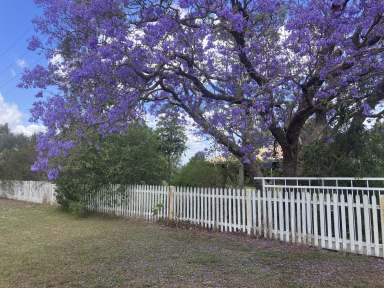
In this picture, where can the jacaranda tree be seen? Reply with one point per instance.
(237, 68)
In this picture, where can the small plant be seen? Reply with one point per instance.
(156, 210)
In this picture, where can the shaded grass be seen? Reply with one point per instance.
(43, 247)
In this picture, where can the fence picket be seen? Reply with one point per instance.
(381, 201)
(367, 225)
(222, 229)
(316, 220)
(230, 196)
(375, 226)
(243, 199)
(238, 209)
(281, 215)
(309, 215)
(260, 226)
(287, 227)
(248, 195)
(322, 218)
(329, 220)
(254, 217)
(298, 205)
(351, 222)
(205, 207)
(217, 209)
(293, 218)
(224, 209)
(209, 207)
(359, 226)
(343, 222)
(304, 217)
(188, 204)
(275, 228)
(269, 207)
(336, 219)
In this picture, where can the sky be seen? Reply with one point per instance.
(15, 29)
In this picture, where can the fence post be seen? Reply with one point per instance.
(171, 193)
(248, 195)
(382, 218)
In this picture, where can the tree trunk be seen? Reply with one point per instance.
(241, 175)
(290, 161)
(253, 169)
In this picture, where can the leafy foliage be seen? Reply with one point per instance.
(200, 172)
(17, 154)
(130, 158)
(172, 140)
(357, 153)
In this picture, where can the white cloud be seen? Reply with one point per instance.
(11, 114)
(21, 63)
(28, 130)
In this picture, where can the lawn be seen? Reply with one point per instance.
(43, 247)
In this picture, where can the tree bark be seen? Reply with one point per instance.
(290, 161)
(253, 169)
(241, 175)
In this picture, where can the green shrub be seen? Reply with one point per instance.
(130, 158)
(78, 208)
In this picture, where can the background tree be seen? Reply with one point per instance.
(172, 140)
(17, 154)
(235, 67)
(133, 157)
(357, 152)
(8, 140)
(200, 173)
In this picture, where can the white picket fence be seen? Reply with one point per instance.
(29, 191)
(130, 201)
(333, 213)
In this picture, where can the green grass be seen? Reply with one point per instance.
(44, 247)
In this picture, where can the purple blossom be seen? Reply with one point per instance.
(34, 43)
(367, 110)
(239, 71)
(53, 174)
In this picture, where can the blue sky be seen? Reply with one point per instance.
(15, 29)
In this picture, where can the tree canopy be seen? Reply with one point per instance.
(235, 67)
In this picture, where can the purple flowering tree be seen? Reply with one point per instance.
(247, 72)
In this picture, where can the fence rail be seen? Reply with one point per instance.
(30, 191)
(323, 212)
